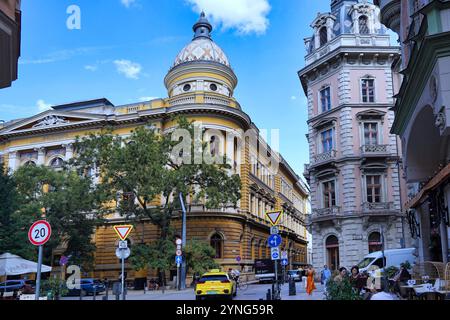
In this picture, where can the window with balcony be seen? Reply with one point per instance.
(374, 188)
(327, 140)
(325, 99)
(368, 90)
(371, 134)
(363, 25)
(329, 194)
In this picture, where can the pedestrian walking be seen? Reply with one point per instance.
(325, 275)
(310, 287)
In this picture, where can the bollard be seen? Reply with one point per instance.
(292, 288)
(105, 298)
(268, 295)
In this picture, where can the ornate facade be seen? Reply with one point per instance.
(10, 35)
(422, 118)
(200, 86)
(354, 171)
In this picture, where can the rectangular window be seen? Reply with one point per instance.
(371, 133)
(368, 90)
(373, 184)
(325, 99)
(329, 194)
(327, 140)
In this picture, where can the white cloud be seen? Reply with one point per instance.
(144, 99)
(91, 68)
(129, 69)
(293, 98)
(43, 106)
(127, 3)
(247, 16)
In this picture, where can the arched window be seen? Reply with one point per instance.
(323, 35)
(217, 244)
(30, 164)
(364, 25)
(375, 242)
(213, 145)
(332, 246)
(56, 163)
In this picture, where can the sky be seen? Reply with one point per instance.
(123, 49)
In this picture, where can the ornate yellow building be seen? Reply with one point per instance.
(200, 86)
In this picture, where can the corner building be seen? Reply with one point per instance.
(200, 86)
(355, 168)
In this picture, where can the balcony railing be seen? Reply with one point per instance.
(194, 98)
(374, 149)
(377, 206)
(325, 212)
(326, 156)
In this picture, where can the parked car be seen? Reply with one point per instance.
(89, 286)
(13, 285)
(294, 274)
(215, 284)
(392, 258)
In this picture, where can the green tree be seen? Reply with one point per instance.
(71, 207)
(200, 257)
(146, 168)
(13, 227)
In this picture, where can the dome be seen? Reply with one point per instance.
(202, 47)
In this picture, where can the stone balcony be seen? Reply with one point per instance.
(203, 98)
(369, 207)
(390, 13)
(375, 150)
(324, 157)
(347, 41)
(324, 214)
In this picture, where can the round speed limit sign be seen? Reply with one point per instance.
(39, 233)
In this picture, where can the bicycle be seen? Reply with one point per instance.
(241, 285)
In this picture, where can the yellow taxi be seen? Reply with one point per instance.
(215, 284)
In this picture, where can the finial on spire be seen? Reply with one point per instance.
(202, 28)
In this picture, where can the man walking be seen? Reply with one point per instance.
(325, 275)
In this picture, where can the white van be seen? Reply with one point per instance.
(393, 257)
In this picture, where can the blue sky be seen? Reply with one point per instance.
(125, 48)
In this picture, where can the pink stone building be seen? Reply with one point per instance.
(355, 166)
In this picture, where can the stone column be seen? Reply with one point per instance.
(69, 151)
(41, 156)
(13, 161)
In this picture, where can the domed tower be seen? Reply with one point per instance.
(201, 66)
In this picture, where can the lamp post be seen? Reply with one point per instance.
(183, 239)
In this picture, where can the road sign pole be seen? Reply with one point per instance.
(276, 280)
(183, 238)
(123, 278)
(38, 277)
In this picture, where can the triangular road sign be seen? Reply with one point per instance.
(274, 217)
(123, 231)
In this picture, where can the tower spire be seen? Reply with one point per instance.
(202, 27)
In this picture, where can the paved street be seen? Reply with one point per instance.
(254, 292)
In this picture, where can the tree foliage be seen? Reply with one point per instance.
(142, 169)
(69, 200)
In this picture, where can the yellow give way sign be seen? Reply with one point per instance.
(274, 216)
(123, 231)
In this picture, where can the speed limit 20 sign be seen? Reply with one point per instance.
(39, 233)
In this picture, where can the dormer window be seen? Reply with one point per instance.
(364, 25)
(323, 34)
